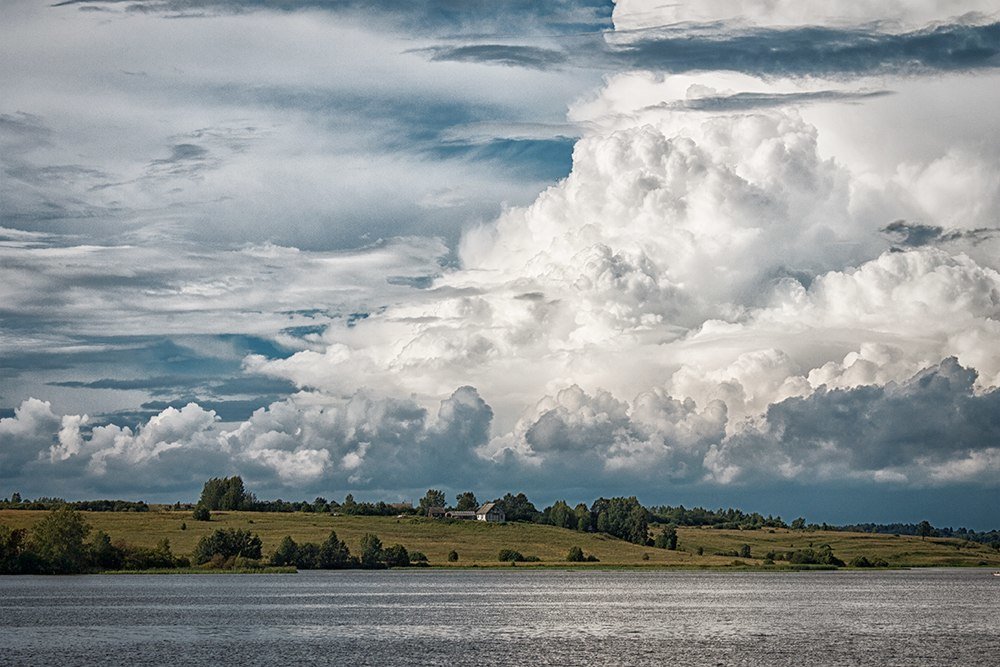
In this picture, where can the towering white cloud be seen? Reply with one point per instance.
(741, 279)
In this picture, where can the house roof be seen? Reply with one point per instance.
(485, 509)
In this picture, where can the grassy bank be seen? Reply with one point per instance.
(203, 570)
(477, 543)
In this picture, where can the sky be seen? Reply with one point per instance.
(714, 252)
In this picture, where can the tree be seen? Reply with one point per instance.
(201, 513)
(623, 518)
(287, 552)
(225, 493)
(349, 506)
(227, 543)
(58, 541)
(103, 554)
(584, 521)
(575, 555)
(745, 551)
(466, 502)
(667, 539)
(371, 551)
(517, 508)
(334, 554)
(307, 557)
(925, 529)
(799, 524)
(396, 556)
(561, 515)
(15, 557)
(433, 498)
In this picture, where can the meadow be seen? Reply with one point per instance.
(478, 543)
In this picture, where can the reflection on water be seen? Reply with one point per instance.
(929, 617)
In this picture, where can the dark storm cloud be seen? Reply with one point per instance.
(533, 57)
(933, 418)
(814, 50)
(747, 101)
(912, 235)
(419, 16)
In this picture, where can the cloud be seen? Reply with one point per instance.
(26, 434)
(914, 235)
(712, 294)
(305, 441)
(811, 51)
(420, 16)
(895, 15)
(501, 54)
(931, 428)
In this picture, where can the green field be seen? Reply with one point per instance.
(478, 543)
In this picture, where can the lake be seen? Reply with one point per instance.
(489, 617)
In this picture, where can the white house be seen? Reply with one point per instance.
(490, 512)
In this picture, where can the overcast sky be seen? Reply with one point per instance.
(713, 252)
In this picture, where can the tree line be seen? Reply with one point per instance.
(62, 542)
(621, 517)
(59, 544)
(15, 502)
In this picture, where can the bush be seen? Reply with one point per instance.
(227, 543)
(396, 556)
(510, 555)
(202, 513)
(822, 556)
(452, 556)
(575, 555)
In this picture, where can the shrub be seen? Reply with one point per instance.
(396, 556)
(452, 556)
(201, 513)
(575, 555)
(227, 543)
(510, 555)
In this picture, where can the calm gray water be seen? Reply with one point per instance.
(925, 617)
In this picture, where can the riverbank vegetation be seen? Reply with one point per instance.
(228, 529)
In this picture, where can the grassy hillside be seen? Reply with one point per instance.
(478, 542)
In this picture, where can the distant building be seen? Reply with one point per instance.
(461, 516)
(491, 513)
(436, 512)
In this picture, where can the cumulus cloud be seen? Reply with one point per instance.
(743, 280)
(931, 428)
(306, 441)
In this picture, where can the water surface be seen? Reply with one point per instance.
(469, 617)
